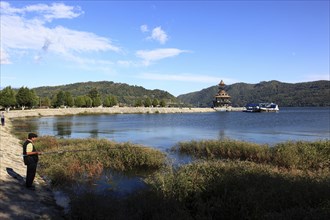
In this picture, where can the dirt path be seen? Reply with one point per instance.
(17, 202)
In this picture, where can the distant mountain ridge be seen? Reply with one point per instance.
(315, 93)
(125, 93)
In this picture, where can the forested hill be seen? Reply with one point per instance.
(124, 93)
(315, 93)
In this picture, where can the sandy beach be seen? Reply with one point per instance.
(17, 202)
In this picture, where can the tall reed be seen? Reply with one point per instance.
(294, 155)
(69, 160)
(226, 189)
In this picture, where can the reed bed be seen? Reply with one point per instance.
(293, 155)
(70, 160)
(228, 180)
(226, 189)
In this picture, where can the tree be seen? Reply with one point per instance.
(60, 99)
(94, 93)
(138, 103)
(7, 97)
(162, 103)
(68, 99)
(106, 102)
(88, 101)
(155, 102)
(26, 98)
(97, 102)
(110, 101)
(45, 102)
(80, 101)
(147, 102)
(114, 101)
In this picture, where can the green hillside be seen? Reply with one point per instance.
(315, 93)
(125, 93)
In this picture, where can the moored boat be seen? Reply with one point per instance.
(252, 108)
(269, 107)
(261, 107)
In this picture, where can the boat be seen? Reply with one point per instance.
(252, 108)
(261, 107)
(269, 107)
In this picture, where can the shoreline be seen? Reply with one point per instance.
(112, 110)
(17, 202)
(101, 110)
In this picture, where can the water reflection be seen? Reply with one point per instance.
(163, 131)
(63, 128)
(94, 133)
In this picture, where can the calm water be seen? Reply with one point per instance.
(163, 131)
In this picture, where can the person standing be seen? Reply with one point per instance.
(2, 118)
(30, 155)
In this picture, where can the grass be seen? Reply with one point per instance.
(83, 159)
(226, 189)
(292, 155)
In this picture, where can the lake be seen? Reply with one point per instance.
(163, 131)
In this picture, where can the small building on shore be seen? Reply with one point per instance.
(222, 99)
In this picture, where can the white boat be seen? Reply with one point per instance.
(262, 107)
(269, 107)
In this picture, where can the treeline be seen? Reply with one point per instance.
(305, 94)
(126, 95)
(28, 98)
(108, 93)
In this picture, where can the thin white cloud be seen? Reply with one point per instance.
(128, 63)
(181, 78)
(21, 33)
(43, 12)
(158, 54)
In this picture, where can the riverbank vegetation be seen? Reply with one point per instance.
(226, 179)
(67, 161)
(291, 155)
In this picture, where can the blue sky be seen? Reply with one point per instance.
(176, 46)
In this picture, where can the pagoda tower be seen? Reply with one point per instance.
(222, 99)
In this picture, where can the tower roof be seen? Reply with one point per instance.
(221, 83)
(222, 94)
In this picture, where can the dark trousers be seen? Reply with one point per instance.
(30, 174)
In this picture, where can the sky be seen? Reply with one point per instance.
(176, 46)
